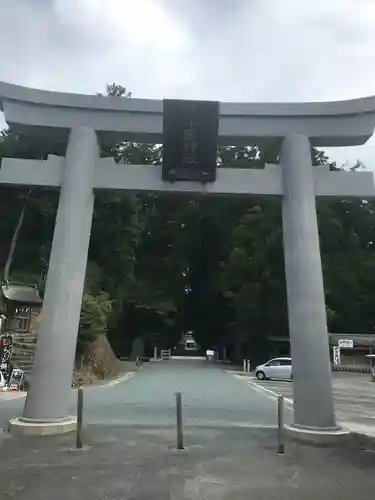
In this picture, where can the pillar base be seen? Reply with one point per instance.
(26, 427)
(317, 436)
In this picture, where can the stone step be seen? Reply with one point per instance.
(22, 337)
(24, 341)
(20, 348)
(26, 367)
(27, 363)
(23, 362)
(23, 355)
(24, 334)
(23, 352)
(23, 358)
(24, 347)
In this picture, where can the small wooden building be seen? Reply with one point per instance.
(21, 305)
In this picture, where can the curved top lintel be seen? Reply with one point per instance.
(99, 102)
(336, 123)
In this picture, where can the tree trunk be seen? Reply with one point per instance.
(13, 244)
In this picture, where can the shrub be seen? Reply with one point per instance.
(94, 317)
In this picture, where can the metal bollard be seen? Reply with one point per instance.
(79, 436)
(180, 437)
(244, 365)
(280, 424)
(248, 367)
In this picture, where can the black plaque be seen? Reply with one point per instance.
(190, 130)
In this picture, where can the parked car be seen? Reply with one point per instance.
(276, 368)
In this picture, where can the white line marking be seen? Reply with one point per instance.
(263, 390)
(271, 394)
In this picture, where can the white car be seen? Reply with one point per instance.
(277, 368)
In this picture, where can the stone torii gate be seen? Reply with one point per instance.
(84, 122)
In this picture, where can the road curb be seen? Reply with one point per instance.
(15, 396)
(113, 383)
(12, 396)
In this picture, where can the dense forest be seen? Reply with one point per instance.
(162, 265)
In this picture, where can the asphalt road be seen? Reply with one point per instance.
(230, 446)
(353, 393)
(211, 397)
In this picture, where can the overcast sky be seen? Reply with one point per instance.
(228, 50)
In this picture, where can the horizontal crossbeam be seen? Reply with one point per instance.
(116, 176)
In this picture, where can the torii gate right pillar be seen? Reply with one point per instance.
(312, 384)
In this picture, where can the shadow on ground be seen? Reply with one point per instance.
(142, 463)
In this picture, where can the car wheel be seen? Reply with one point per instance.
(260, 376)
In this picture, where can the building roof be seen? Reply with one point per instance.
(16, 292)
(359, 340)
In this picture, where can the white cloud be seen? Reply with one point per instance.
(237, 50)
(146, 24)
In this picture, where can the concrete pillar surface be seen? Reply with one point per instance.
(312, 383)
(49, 397)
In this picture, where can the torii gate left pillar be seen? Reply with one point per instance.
(49, 396)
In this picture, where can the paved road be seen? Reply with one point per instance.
(211, 397)
(230, 449)
(354, 398)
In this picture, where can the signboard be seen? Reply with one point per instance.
(336, 355)
(2, 321)
(16, 379)
(190, 130)
(166, 354)
(6, 345)
(346, 343)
